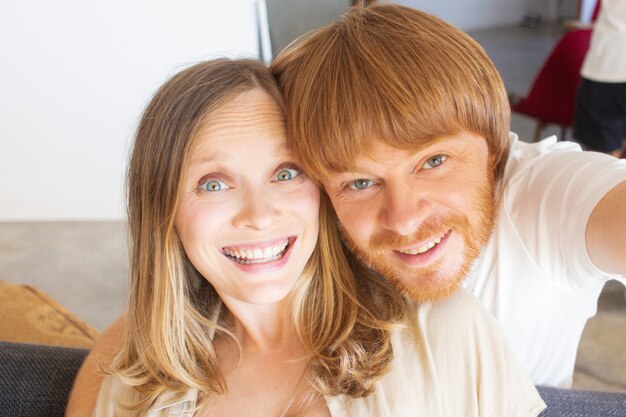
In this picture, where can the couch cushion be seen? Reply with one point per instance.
(578, 403)
(35, 380)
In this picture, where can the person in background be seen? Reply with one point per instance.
(600, 117)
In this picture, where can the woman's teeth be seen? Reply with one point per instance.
(423, 248)
(257, 255)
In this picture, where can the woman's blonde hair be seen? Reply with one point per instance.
(388, 72)
(173, 311)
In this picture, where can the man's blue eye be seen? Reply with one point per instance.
(287, 174)
(361, 184)
(434, 161)
(213, 185)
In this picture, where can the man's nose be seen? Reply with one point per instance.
(258, 210)
(403, 209)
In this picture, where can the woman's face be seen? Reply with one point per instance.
(248, 218)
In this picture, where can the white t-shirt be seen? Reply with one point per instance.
(535, 275)
(606, 59)
(451, 361)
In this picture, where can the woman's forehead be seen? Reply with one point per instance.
(254, 109)
(252, 114)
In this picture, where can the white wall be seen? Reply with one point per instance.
(74, 77)
(474, 14)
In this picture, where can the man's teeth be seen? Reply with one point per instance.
(257, 255)
(424, 248)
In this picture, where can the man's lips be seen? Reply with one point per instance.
(258, 252)
(423, 247)
(423, 253)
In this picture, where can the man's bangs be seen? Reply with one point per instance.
(352, 82)
(404, 122)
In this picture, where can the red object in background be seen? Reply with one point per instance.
(596, 10)
(552, 96)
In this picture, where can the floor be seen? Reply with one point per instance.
(83, 264)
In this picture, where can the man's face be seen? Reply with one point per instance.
(421, 216)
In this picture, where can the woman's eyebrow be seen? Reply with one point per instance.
(281, 149)
(206, 158)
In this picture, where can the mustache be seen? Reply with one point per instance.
(387, 239)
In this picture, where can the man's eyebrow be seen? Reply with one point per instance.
(333, 184)
(337, 178)
(434, 141)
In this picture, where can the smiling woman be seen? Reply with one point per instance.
(248, 219)
(241, 295)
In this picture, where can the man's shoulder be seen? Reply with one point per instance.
(519, 149)
(524, 155)
(534, 169)
(460, 312)
(562, 162)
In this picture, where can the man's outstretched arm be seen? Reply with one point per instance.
(87, 384)
(606, 232)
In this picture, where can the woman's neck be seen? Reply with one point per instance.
(266, 369)
(265, 327)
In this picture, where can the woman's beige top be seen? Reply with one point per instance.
(453, 361)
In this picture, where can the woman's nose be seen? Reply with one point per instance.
(258, 210)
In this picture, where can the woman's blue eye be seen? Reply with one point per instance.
(361, 184)
(287, 174)
(434, 161)
(213, 185)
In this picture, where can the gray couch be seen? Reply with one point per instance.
(35, 381)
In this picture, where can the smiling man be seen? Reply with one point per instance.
(404, 120)
(422, 231)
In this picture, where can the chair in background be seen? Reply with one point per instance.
(552, 96)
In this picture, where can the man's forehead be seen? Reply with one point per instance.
(377, 148)
(373, 150)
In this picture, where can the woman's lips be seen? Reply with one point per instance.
(257, 256)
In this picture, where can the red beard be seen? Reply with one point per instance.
(429, 284)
